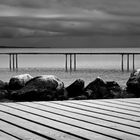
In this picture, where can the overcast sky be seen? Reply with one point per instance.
(68, 21)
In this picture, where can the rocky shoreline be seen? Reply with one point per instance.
(50, 88)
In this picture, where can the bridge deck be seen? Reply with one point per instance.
(67, 120)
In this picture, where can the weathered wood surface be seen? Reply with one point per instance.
(71, 120)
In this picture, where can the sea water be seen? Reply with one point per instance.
(58, 61)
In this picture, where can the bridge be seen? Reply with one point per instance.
(71, 59)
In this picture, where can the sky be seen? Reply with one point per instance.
(70, 23)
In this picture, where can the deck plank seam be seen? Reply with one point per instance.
(92, 116)
(103, 108)
(10, 134)
(44, 136)
(78, 136)
(89, 115)
(60, 122)
(133, 102)
(95, 112)
(112, 106)
(78, 120)
(121, 103)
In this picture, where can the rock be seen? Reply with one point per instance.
(97, 89)
(3, 94)
(3, 85)
(19, 81)
(45, 87)
(114, 89)
(76, 88)
(127, 94)
(133, 83)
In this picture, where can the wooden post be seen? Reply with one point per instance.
(74, 62)
(133, 62)
(10, 62)
(16, 62)
(70, 62)
(66, 62)
(127, 62)
(122, 63)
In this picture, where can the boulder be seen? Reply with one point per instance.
(114, 89)
(19, 81)
(3, 94)
(127, 94)
(45, 87)
(3, 85)
(76, 88)
(100, 89)
(133, 83)
(97, 89)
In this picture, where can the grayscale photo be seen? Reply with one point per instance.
(69, 69)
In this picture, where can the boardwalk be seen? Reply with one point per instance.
(71, 120)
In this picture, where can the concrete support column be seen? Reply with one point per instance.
(74, 62)
(70, 62)
(122, 63)
(66, 62)
(133, 62)
(128, 62)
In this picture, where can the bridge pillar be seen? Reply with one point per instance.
(10, 62)
(66, 62)
(122, 63)
(74, 62)
(16, 62)
(70, 62)
(133, 62)
(128, 62)
(13, 62)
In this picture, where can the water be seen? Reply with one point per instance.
(88, 61)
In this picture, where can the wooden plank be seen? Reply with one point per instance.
(19, 132)
(109, 112)
(91, 114)
(127, 103)
(132, 99)
(45, 110)
(48, 122)
(41, 130)
(133, 102)
(101, 106)
(119, 105)
(123, 109)
(85, 125)
(92, 127)
(5, 136)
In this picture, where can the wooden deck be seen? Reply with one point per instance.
(71, 120)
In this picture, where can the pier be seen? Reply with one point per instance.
(71, 59)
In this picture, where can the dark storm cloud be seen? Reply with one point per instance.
(25, 18)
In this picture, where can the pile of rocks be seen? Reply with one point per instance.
(50, 88)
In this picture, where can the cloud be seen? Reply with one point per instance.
(121, 7)
(26, 18)
(18, 28)
(16, 32)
